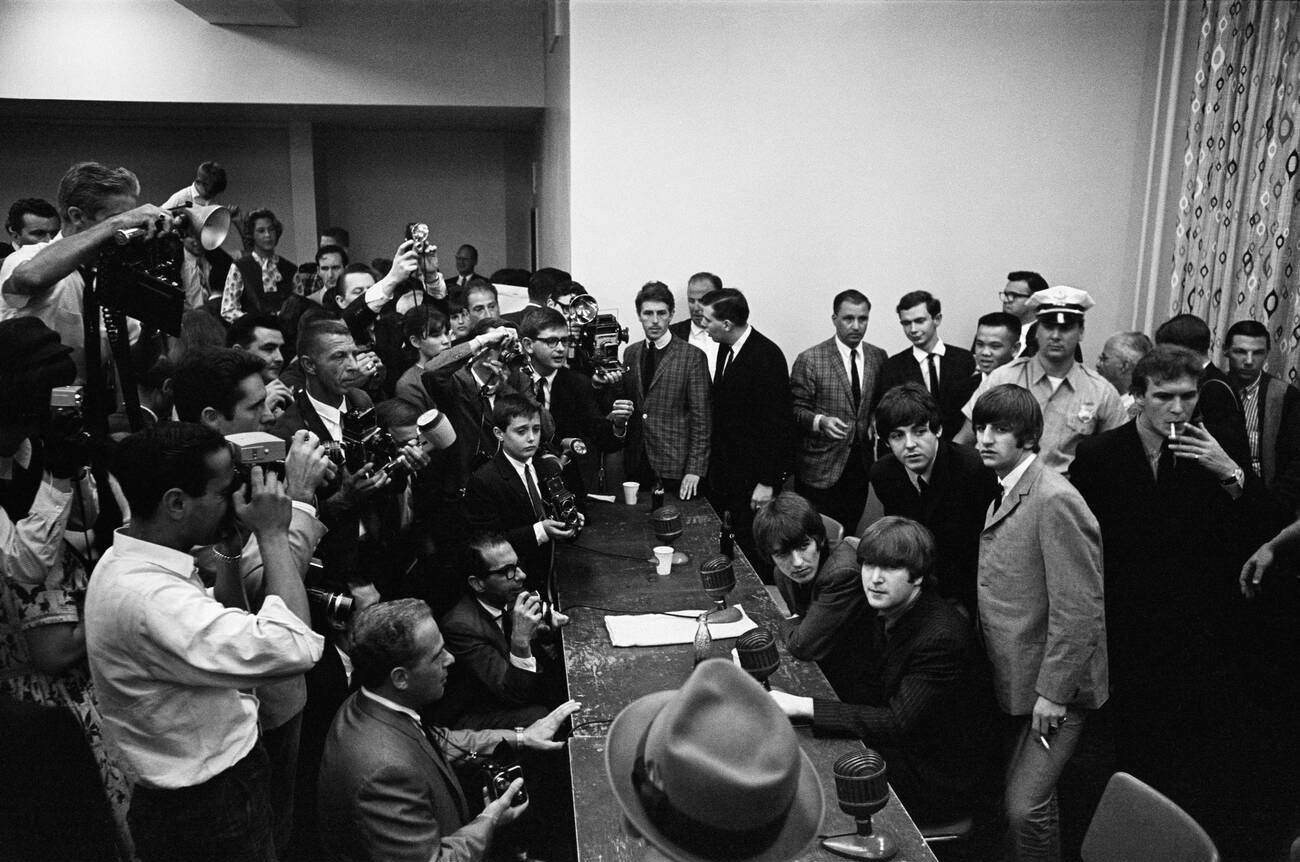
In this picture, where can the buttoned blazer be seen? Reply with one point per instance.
(483, 678)
(386, 793)
(955, 368)
(496, 501)
(1041, 598)
(672, 418)
(753, 419)
(820, 385)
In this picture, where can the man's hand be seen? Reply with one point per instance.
(762, 493)
(1196, 444)
(526, 616)
(833, 427)
(621, 412)
(607, 377)
(500, 335)
(268, 508)
(539, 734)
(278, 397)
(405, 262)
(792, 705)
(414, 456)
(557, 529)
(370, 367)
(690, 485)
(360, 486)
(153, 220)
(502, 811)
(1047, 716)
(1255, 569)
(306, 466)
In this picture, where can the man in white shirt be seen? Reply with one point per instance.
(173, 665)
(692, 330)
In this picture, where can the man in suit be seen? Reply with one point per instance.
(943, 486)
(833, 385)
(692, 330)
(506, 671)
(942, 368)
(753, 431)
(387, 787)
(667, 381)
(1272, 413)
(543, 286)
(1119, 356)
(466, 261)
(1041, 614)
(504, 495)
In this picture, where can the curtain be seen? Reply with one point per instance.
(1235, 255)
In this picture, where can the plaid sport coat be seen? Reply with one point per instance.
(820, 385)
(672, 416)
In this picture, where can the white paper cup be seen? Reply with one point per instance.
(663, 559)
(629, 492)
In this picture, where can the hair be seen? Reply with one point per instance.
(333, 297)
(569, 288)
(422, 321)
(471, 248)
(1165, 362)
(213, 175)
(395, 412)
(1248, 329)
(728, 304)
(169, 455)
(210, 377)
(905, 405)
(538, 320)
(512, 277)
(542, 284)
(200, 329)
(856, 297)
(1185, 330)
(240, 333)
(895, 542)
(481, 285)
(511, 406)
(251, 223)
(785, 523)
(476, 550)
(314, 330)
(920, 297)
(705, 276)
(657, 291)
(1013, 406)
(38, 207)
(340, 237)
(455, 303)
(1134, 344)
(1035, 281)
(86, 184)
(1001, 318)
(331, 249)
(479, 327)
(383, 638)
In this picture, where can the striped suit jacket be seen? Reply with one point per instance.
(673, 415)
(820, 385)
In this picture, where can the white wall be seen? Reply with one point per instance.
(553, 170)
(800, 148)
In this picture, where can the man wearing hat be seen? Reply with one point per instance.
(1077, 402)
(690, 780)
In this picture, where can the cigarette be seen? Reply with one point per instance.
(1043, 739)
(1173, 431)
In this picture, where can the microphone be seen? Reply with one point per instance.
(863, 789)
(719, 578)
(667, 524)
(758, 655)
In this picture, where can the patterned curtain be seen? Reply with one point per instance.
(1235, 254)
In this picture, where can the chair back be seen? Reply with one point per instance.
(834, 531)
(1134, 821)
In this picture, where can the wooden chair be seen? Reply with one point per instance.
(1136, 823)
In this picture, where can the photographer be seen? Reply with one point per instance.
(387, 786)
(44, 281)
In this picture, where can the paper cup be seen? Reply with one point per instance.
(663, 559)
(629, 492)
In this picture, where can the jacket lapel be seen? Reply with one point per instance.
(309, 415)
(669, 352)
(1012, 498)
(405, 725)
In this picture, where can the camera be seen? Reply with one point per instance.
(499, 778)
(598, 335)
(419, 233)
(257, 449)
(364, 442)
(336, 607)
(561, 503)
(66, 398)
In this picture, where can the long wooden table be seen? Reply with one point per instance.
(609, 567)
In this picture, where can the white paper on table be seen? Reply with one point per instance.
(661, 629)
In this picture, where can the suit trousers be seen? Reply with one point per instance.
(1034, 829)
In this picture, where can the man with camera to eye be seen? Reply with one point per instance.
(44, 281)
(387, 789)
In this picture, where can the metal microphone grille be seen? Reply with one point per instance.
(718, 576)
(758, 654)
(860, 783)
(667, 523)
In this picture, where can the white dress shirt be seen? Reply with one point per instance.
(539, 532)
(700, 338)
(922, 359)
(330, 416)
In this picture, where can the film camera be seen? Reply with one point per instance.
(598, 335)
(336, 608)
(497, 780)
(364, 442)
(561, 503)
(257, 449)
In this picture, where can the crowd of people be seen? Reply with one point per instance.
(280, 581)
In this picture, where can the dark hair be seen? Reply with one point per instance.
(706, 276)
(511, 406)
(86, 184)
(1001, 318)
(905, 405)
(475, 558)
(1165, 362)
(1248, 329)
(538, 320)
(785, 523)
(169, 455)
(395, 412)
(894, 542)
(422, 321)
(482, 326)
(314, 330)
(856, 297)
(383, 638)
(340, 237)
(38, 207)
(920, 297)
(512, 277)
(1012, 406)
(1185, 330)
(480, 284)
(542, 284)
(331, 249)
(657, 291)
(1034, 281)
(214, 175)
(210, 377)
(727, 304)
(240, 333)
(200, 328)
(251, 223)
(471, 248)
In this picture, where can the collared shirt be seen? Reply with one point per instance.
(331, 416)
(173, 668)
(395, 707)
(922, 358)
(233, 290)
(539, 532)
(662, 341)
(32, 549)
(915, 478)
(1084, 404)
(346, 661)
(497, 614)
(1009, 481)
(1152, 444)
(1249, 396)
(845, 353)
(740, 342)
(699, 336)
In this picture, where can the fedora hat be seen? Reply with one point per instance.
(714, 771)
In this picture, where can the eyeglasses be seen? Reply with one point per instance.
(1007, 296)
(553, 343)
(510, 571)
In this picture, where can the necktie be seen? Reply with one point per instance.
(720, 366)
(922, 485)
(507, 624)
(934, 375)
(538, 510)
(997, 501)
(1166, 465)
(453, 789)
(648, 364)
(855, 382)
(541, 391)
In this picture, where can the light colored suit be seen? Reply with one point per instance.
(1041, 603)
(820, 385)
(673, 415)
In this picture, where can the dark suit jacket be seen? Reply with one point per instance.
(1220, 410)
(497, 501)
(953, 508)
(955, 368)
(922, 702)
(819, 385)
(254, 298)
(681, 329)
(1279, 444)
(327, 689)
(671, 419)
(753, 421)
(386, 793)
(830, 619)
(571, 401)
(517, 317)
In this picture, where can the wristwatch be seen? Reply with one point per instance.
(519, 739)
(1238, 477)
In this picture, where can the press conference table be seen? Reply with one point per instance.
(596, 570)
